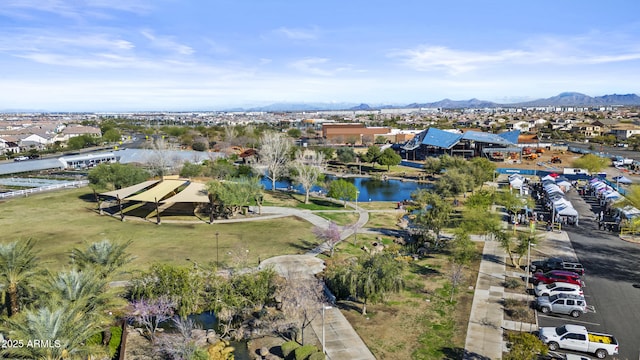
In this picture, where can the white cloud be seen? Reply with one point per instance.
(310, 66)
(167, 43)
(587, 49)
(298, 34)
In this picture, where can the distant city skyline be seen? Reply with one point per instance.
(171, 55)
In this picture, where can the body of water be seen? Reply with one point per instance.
(368, 189)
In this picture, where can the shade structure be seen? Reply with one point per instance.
(621, 179)
(193, 193)
(160, 191)
(548, 178)
(130, 190)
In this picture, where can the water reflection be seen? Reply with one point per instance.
(368, 189)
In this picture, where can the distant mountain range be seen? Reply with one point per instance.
(563, 99)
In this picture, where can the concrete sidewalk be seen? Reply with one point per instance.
(486, 322)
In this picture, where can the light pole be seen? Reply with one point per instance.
(323, 309)
(217, 252)
(526, 284)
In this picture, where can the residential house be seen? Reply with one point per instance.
(7, 146)
(77, 130)
(587, 130)
(625, 131)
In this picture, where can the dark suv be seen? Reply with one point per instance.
(557, 276)
(556, 263)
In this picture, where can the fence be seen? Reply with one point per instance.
(27, 192)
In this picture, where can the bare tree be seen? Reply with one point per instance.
(456, 276)
(308, 171)
(160, 161)
(302, 298)
(273, 156)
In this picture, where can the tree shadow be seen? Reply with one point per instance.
(302, 244)
(458, 353)
(493, 258)
(422, 270)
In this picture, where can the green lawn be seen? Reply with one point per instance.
(62, 220)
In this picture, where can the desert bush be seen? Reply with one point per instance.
(512, 283)
(289, 347)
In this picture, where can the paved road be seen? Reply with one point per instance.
(612, 280)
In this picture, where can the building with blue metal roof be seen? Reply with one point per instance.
(436, 142)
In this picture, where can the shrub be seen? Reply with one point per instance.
(303, 352)
(511, 303)
(95, 339)
(114, 342)
(317, 356)
(512, 283)
(289, 347)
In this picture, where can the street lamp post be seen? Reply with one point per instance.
(323, 309)
(217, 252)
(526, 284)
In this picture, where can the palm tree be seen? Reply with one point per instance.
(18, 266)
(84, 289)
(65, 330)
(104, 256)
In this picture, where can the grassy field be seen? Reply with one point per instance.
(60, 221)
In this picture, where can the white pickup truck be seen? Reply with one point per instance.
(576, 337)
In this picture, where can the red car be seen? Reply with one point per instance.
(557, 276)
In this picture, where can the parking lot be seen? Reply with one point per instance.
(612, 280)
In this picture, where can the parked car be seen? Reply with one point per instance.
(567, 304)
(576, 337)
(557, 276)
(21, 158)
(556, 263)
(554, 288)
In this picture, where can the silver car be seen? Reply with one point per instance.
(574, 305)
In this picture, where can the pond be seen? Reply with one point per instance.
(208, 320)
(368, 189)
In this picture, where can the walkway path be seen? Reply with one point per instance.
(341, 341)
(486, 321)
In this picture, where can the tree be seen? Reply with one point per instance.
(507, 243)
(331, 235)
(346, 155)
(111, 136)
(370, 278)
(432, 165)
(590, 162)
(85, 290)
(343, 190)
(273, 159)
(301, 298)
(389, 158)
(151, 313)
(481, 170)
(18, 268)
(190, 170)
(434, 213)
(180, 284)
(308, 171)
(199, 146)
(228, 197)
(454, 182)
(161, 162)
(524, 346)
(294, 133)
(116, 176)
(372, 154)
(380, 139)
(66, 326)
(105, 257)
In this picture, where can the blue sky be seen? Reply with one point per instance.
(120, 55)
